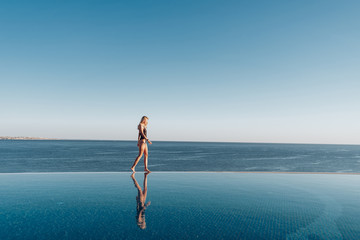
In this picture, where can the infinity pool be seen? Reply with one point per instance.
(179, 205)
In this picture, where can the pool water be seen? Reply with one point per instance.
(179, 205)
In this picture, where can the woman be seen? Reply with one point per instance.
(143, 148)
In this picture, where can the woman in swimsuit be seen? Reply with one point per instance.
(143, 148)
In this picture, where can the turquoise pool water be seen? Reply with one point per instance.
(203, 205)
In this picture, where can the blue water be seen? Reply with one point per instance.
(99, 156)
(178, 204)
(203, 205)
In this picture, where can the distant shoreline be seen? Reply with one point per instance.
(26, 138)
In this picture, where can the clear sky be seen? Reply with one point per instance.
(243, 71)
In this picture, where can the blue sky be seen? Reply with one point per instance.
(243, 71)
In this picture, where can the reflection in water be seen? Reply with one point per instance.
(140, 200)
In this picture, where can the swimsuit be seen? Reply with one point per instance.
(145, 133)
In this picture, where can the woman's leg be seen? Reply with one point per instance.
(146, 154)
(141, 151)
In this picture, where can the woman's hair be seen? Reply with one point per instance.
(143, 119)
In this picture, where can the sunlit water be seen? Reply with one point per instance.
(179, 206)
(80, 156)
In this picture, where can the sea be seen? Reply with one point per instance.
(19, 156)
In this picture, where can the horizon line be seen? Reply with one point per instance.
(196, 141)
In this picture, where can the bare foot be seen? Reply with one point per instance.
(147, 170)
(132, 169)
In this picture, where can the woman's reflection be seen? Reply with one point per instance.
(141, 199)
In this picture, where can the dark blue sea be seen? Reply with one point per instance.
(110, 156)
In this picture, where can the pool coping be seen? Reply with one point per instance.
(103, 172)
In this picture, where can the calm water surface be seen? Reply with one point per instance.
(179, 206)
(100, 156)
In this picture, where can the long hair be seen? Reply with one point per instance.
(143, 119)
